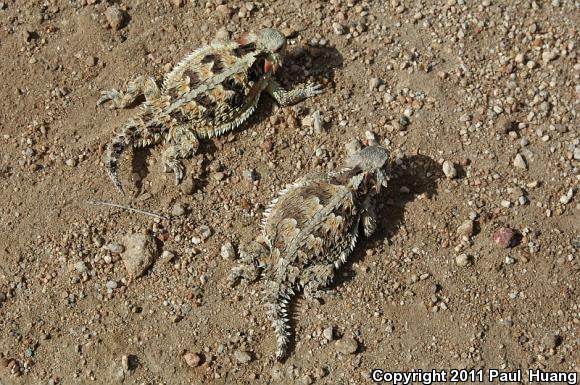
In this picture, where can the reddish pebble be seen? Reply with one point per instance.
(163, 235)
(503, 237)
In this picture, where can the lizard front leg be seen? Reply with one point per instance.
(249, 269)
(286, 98)
(140, 86)
(184, 145)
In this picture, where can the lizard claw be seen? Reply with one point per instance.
(313, 90)
(109, 95)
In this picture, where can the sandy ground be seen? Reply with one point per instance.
(490, 87)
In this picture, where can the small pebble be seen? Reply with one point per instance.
(115, 17)
(222, 34)
(204, 232)
(111, 285)
(115, 248)
(548, 56)
(249, 175)
(91, 61)
(504, 125)
(449, 170)
(328, 333)
(374, 84)
(503, 237)
(509, 260)
(166, 257)
(192, 359)
(338, 28)
(227, 251)
(520, 162)
(346, 345)
(242, 356)
(552, 341)
(353, 147)
(178, 209)
(466, 228)
(81, 267)
(565, 199)
(463, 260)
(317, 121)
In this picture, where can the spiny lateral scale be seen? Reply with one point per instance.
(211, 91)
(309, 231)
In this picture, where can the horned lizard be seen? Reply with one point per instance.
(308, 231)
(211, 91)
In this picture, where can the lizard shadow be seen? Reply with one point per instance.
(419, 173)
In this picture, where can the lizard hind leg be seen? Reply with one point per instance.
(139, 86)
(184, 145)
(131, 135)
(249, 269)
(315, 279)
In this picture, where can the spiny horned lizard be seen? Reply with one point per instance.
(309, 230)
(211, 91)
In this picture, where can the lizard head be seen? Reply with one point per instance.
(368, 169)
(271, 43)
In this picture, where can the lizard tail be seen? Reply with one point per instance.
(277, 303)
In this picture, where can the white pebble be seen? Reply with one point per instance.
(520, 162)
(462, 260)
(565, 199)
(227, 251)
(449, 169)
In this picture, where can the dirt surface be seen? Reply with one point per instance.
(467, 82)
